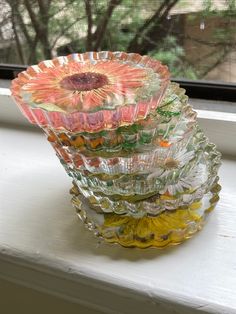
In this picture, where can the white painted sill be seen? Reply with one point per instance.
(43, 246)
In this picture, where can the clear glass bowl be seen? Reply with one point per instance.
(128, 184)
(187, 189)
(140, 183)
(160, 160)
(173, 119)
(91, 92)
(168, 228)
(151, 206)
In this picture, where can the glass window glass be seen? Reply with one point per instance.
(196, 39)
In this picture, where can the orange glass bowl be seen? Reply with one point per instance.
(92, 91)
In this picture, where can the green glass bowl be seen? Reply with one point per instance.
(164, 127)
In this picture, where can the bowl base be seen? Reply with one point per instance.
(165, 229)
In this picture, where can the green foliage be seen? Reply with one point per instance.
(172, 54)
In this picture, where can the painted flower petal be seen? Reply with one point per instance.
(123, 79)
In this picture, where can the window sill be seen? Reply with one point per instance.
(43, 246)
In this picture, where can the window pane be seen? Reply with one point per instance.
(196, 39)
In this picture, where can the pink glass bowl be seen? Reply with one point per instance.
(91, 92)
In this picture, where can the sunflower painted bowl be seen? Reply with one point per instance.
(168, 228)
(91, 92)
(151, 206)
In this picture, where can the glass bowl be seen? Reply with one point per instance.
(92, 91)
(188, 189)
(159, 159)
(168, 228)
(165, 126)
(129, 184)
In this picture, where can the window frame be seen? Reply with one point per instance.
(203, 89)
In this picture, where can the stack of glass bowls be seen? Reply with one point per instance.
(143, 172)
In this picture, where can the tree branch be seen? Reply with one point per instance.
(31, 58)
(156, 15)
(157, 19)
(32, 15)
(41, 25)
(61, 9)
(90, 24)
(42, 6)
(64, 31)
(220, 60)
(24, 29)
(18, 44)
(101, 29)
(161, 23)
(13, 5)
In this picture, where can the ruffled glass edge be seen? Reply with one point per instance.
(167, 229)
(95, 121)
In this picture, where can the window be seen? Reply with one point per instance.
(196, 39)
